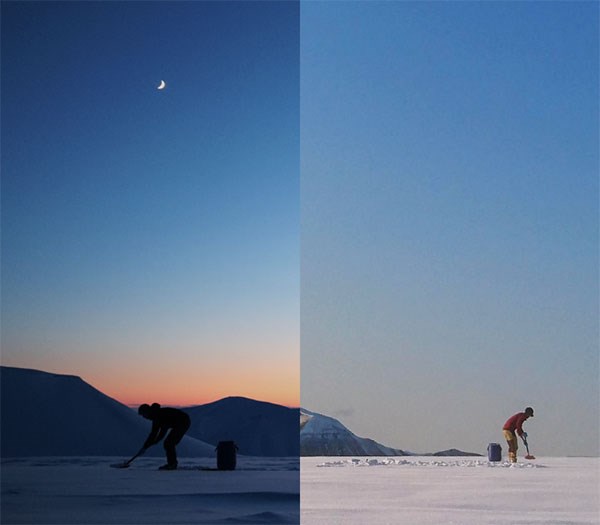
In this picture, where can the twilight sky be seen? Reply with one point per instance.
(150, 239)
(429, 169)
(449, 221)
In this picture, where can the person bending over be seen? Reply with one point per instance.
(512, 425)
(163, 420)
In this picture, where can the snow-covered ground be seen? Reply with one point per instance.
(433, 491)
(334, 490)
(85, 490)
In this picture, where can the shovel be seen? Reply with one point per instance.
(125, 464)
(528, 456)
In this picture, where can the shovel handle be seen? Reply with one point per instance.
(141, 451)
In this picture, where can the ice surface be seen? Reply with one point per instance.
(434, 491)
(85, 490)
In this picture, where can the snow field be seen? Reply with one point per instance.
(354, 490)
(434, 491)
(84, 490)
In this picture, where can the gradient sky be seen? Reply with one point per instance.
(150, 239)
(449, 211)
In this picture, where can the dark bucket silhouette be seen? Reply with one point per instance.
(226, 455)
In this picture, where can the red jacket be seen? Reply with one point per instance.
(516, 423)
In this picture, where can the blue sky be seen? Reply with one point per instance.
(449, 168)
(428, 169)
(145, 231)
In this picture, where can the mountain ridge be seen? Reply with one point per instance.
(50, 414)
(259, 428)
(322, 435)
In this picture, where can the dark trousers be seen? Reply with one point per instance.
(172, 439)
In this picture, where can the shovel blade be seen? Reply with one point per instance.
(124, 464)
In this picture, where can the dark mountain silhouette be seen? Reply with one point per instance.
(46, 414)
(454, 452)
(258, 428)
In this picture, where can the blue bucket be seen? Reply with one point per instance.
(494, 452)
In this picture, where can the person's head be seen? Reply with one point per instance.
(148, 411)
(144, 411)
(529, 412)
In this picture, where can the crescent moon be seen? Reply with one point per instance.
(162, 85)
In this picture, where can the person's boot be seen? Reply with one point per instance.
(168, 466)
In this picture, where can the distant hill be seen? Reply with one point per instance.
(47, 414)
(454, 452)
(325, 436)
(258, 428)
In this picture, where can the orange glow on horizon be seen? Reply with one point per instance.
(179, 394)
(190, 388)
(292, 401)
(206, 401)
(171, 384)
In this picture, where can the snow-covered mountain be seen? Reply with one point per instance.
(258, 428)
(325, 436)
(47, 414)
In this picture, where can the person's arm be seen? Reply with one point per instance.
(151, 440)
(520, 422)
(161, 434)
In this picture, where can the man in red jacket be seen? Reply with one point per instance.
(512, 425)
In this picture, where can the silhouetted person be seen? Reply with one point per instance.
(163, 420)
